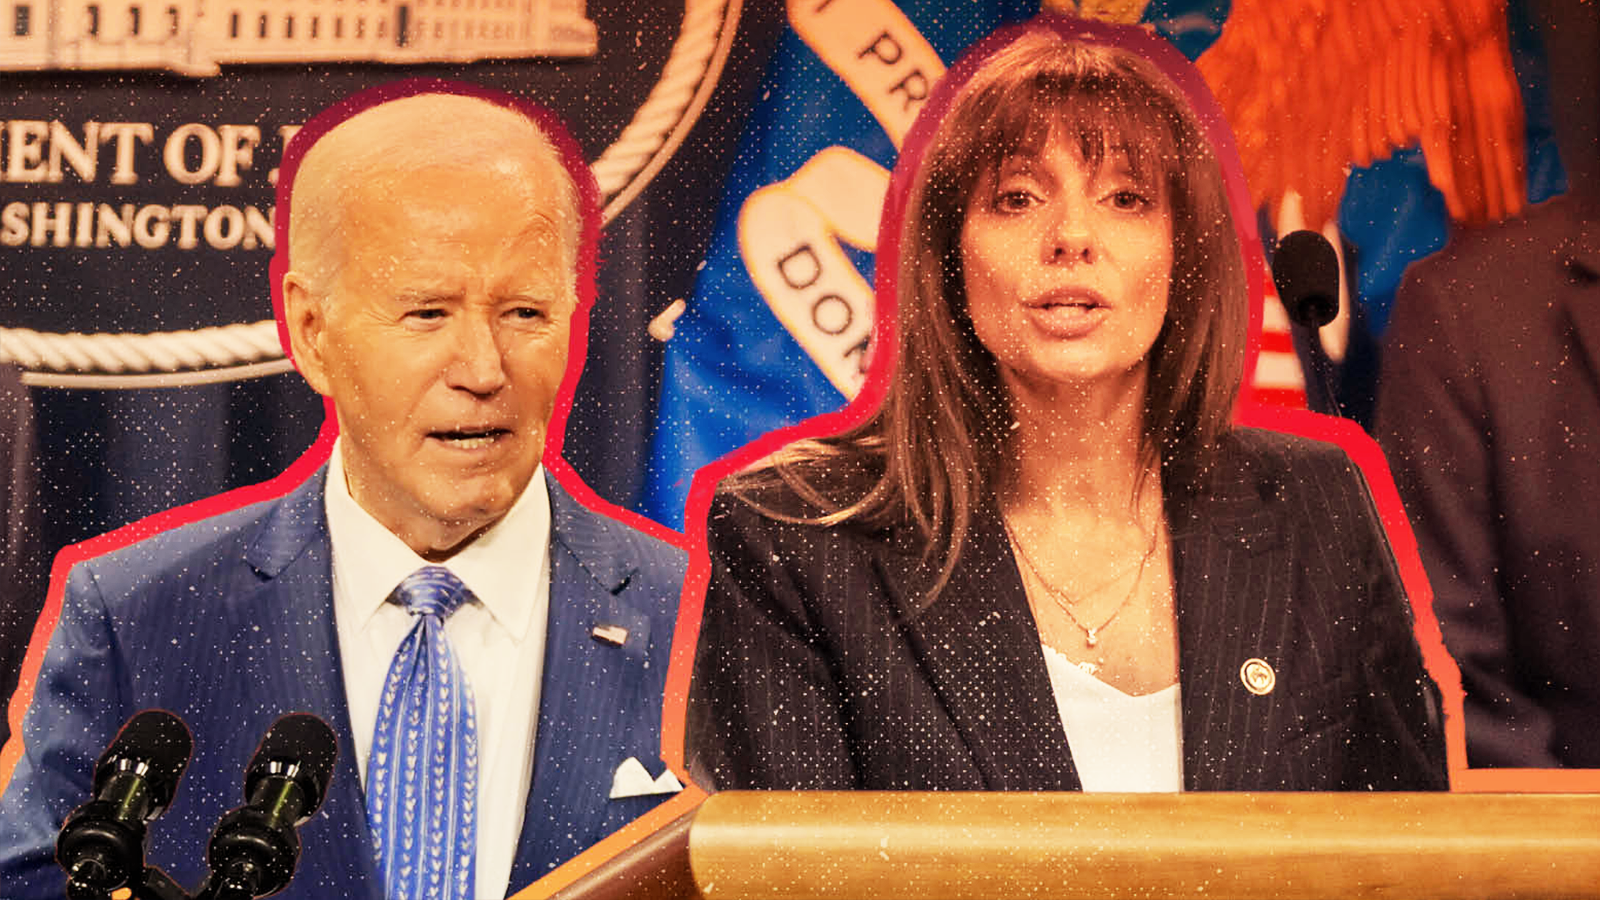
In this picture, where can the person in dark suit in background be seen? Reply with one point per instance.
(22, 571)
(1489, 411)
(433, 585)
(1047, 561)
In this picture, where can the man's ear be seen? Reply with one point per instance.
(304, 316)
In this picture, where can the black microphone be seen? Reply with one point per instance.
(1305, 269)
(254, 849)
(101, 845)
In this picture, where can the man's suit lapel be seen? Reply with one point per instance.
(980, 649)
(591, 695)
(301, 671)
(1232, 580)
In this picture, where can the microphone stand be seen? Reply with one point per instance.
(1322, 389)
(151, 884)
(157, 885)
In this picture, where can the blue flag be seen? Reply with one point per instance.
(801, 211)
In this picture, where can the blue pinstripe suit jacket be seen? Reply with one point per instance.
(228, 623)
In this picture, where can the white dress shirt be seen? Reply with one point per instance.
(1119, 742)
(498, 641)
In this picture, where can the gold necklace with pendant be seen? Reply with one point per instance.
(1064, 601)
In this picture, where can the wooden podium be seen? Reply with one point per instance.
(1063, 846)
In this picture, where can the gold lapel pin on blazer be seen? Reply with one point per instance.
(615, 635)
(1258, 677)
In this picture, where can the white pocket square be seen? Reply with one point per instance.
(631, 780)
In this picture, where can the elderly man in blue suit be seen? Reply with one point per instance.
(461, 621)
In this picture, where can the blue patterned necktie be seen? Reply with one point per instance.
(422, 774)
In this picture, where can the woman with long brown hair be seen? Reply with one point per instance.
(1048, 561)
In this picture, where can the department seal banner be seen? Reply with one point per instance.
(140, 142)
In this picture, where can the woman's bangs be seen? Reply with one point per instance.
(1121, 124)
(1104, 116)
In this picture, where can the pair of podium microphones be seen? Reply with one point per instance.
(253, 850)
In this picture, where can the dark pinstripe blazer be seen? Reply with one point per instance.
(817, 667)
(228, 623)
